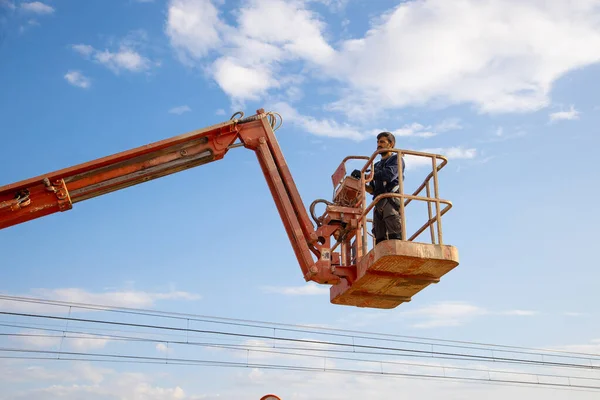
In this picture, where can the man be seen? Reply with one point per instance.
(387, 223)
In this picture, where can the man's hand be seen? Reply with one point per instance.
(369, 189)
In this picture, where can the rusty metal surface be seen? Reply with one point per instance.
(338, 175)
(393, 272)
(348, 193)
(286, 176)
(58, 190)
(225, 127)
(253, 135)
(335, 252)
(406, 199)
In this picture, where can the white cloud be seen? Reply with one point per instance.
(334, 5)
(445, 314)
(251, 52)
(76, 78)
(162, 348)
(521, 313)
(455, 152)
(569, 115)
(574, 314)
(502, 134)
(250, 383)
(84, 380)
(26, 25)
(417, 129)
(456, 313)
(593, 347)
(8, 4)
(125, 58)
(319, 127)
(452, 153)
(501, 56)
(309, 289)
(93, 383)
(180, 110)
(450, 124)
(330, 127)
(414, 129)
(37, 7)
(86, 342)
(269, 21)
(72, 341)
(498, 55)
(241, 82)
(83, 49)
(123, 298)
(22, 371)
(39, 341)
(192, 27)
(220, 111)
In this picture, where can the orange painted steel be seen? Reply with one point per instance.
(387, 275)
(393, 271)
(37, 196)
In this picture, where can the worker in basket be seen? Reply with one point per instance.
(387, 223)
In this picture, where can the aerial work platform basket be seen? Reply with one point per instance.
(391, 272)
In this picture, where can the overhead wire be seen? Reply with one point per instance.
(297, 349)
(208, 344)
(310, 341)
(311, 329)
(176, 361)
(268, 350)
(290, 346)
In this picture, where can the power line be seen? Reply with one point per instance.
(483, 382)
(309, 341)
(333, 347)
(265, 349)
(305, 329)
(211, 344)
(176, 361)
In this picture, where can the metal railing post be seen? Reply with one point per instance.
(401, 184)
(362, 239)
(429, 212)
(437, 200)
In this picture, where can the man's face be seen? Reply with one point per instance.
(384, 143)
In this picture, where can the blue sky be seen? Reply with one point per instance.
(506, 90)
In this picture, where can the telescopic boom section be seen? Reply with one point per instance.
(258, 136)
(58, 191)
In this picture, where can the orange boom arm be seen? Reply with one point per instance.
(59, 190)
(384, 277)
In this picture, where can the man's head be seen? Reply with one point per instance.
(385, 140)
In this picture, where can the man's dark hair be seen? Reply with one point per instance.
(389, 136)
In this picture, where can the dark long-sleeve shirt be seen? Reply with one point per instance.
(386, 175)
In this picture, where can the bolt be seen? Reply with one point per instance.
(183, 152)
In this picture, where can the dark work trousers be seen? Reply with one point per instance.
(386, 220)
